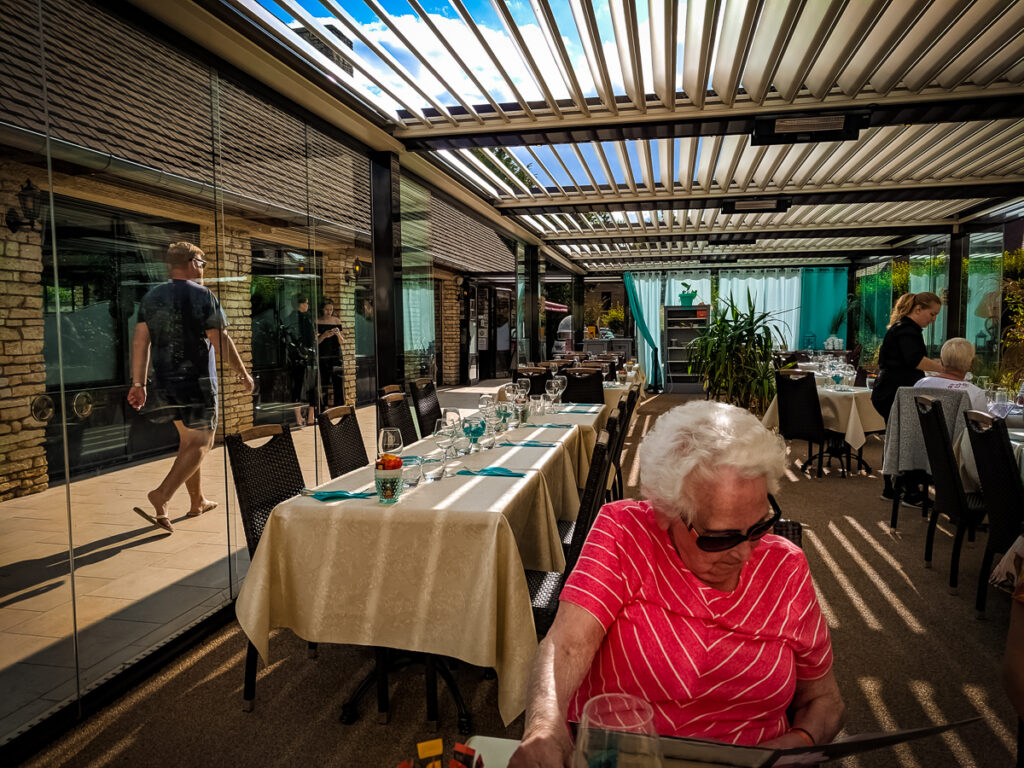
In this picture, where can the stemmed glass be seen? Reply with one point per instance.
(510, 389)
(617, 729)
(524, 387)
(485, 402)
(389, 440)
(473, 427)
(563, 382)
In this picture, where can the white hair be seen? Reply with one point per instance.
(690, 444)
(957, 354)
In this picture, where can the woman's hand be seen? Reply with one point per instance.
(550, 748)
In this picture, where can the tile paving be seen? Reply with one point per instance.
(134, 586)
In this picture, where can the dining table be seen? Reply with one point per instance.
(439, 571)
(847, 410)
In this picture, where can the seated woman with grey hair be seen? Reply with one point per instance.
(686, 600)
(957, 359)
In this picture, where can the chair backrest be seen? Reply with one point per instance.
(583, 386)
(538, 377)
(905, 448)
(424, 400)
(343, 442)
(394, 411)
(799, 409)
(632, 398)
(949, 491)
(590, 503)
(388, 389)
(1000, 478)
(264, 475)
(861, 379)
(621, 427)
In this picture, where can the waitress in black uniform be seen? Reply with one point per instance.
(903, 359)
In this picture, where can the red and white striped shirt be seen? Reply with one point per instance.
(715, 665)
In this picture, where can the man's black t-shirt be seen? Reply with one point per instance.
(178, 313)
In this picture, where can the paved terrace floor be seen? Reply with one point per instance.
(134, 586)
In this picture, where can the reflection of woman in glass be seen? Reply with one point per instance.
(330, 339)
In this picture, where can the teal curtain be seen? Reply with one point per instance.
(644, 295)
(823, 293)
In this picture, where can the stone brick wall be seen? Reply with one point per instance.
(22, 370)
(450, 329)
(231, 258)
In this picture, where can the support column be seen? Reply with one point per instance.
(386, 225)
(851, 322)
(958, 250)
(531, 305)
(578, 298)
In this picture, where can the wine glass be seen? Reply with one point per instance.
(473, 427)
(511, 389)
(485, 402)
(617, 729)
(389, 440)
(524, 386)
(563, 382)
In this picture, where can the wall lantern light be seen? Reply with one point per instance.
(30, 199)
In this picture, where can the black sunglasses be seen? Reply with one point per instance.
(719, 542)
(200, 263)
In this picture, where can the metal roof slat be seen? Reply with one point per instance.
(773, 165)
(586, 168)
(759, 153)
(687, 152)
(605, 167)
(967, 30)
(623, 157)
(547, 172)
(643, 147)
(733, 147)
(664, 19)
(886, 143)
(533, 179)
(989, 44)
(771, 35)
(816, 22)
(593, 49)
(507, 171)
(549, 27)
(927, 32)
(701, 23)
(458, 59)
(733, 47)
(554, 151)
(792, 161)
(1002, 155)
(820, 154)
(935, 147)
(839, 159)
(471, 24)
(909, 152)
(1004, 166)
(390, 23)
(524, 53)
(666, 163)
(627, 42)
(450, 158)
(1016, 73)
(935, 167)
(994, 147)
(709, 158)
(853, 26)
(477, 164)
(887, 33)
(1000, 63)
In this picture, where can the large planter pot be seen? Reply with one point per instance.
(686, 298)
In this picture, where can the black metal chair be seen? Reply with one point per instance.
(964, 509)
(800, 419)
(393, 411)
(616, 449)
(546, 586)
(538, 377)
(424, 400)
(1002, 490)
(264, 476)
(343, 442)
(583, 385)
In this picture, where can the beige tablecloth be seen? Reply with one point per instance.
(848, 412)
(968, 467)
(589, 425)
(440, 571)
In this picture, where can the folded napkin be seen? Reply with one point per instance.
(337, 495)
(491, 472)
(529, 444)
(581, 409)
(551, 426)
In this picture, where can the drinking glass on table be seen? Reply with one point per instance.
(389, 440)
(511, 389)
(524, 387)
(563, 382)
(432, 465)
(617, 729)
(485, 402)
(473, 427)
(452, 416)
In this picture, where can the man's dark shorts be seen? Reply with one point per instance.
(192, 400)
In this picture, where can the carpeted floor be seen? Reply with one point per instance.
(907, 654)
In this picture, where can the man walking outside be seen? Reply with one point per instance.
(182, 330)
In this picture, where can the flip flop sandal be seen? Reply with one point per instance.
(204, 509)
(160, 521)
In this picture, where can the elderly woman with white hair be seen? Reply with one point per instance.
(686, 601)
(957, 356)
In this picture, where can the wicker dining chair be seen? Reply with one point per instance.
(583, 386)
(264, 476)
(342, 439)
(545, 586)
(618, 485)
(424, 400)
(393, 411)
(963, 509)
(1002, 490)
(800, 419)
(537, 376)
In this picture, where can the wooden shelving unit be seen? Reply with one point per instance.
(682, 325)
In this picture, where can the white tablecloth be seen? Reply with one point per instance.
(440, 571)
(848, 412)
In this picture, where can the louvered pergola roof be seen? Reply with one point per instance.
(652, 132)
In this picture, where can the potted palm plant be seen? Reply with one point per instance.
(686, 295)
(734, 355)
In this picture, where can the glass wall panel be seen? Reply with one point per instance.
(417, 282)
(984, 274)
(875, 294)
(929, 271)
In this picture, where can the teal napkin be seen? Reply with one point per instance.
(582, 409)
(551, 426)
(491, 472)
(338, 495)
(530, 444)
